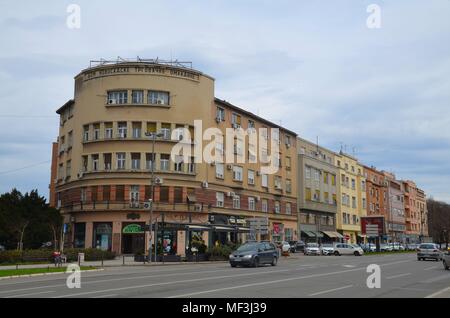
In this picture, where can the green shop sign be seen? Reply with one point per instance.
(132, 229)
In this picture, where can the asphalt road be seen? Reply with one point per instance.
(299, 276)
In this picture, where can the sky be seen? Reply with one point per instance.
(313, 66)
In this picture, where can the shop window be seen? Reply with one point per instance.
(102, 236)
(79, 235)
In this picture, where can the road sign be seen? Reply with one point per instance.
(372, 230)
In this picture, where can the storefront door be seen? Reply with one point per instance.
(133, 238)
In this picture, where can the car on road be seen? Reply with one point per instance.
(254, 254)
(446, 259)
(347, 249)
(296, 246)
(428, 251)
(312, 249)
(327, 249)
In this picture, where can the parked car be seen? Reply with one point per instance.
(397, 247)
(254, 254)
(427, 251)
(327, 249)
(312, 249)
(411, 247)
(385, 248)
(296, 246)
(446, 259)
(372, 247)
(347, 249)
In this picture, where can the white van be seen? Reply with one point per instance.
(347, 249)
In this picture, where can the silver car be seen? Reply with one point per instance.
(428, 251)
(446, 260)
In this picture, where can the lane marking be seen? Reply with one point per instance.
(435, 279)
(438, 293)
(330, 290)
(173, 282)
(397, 276)
(430, 268)
(106, 296)
(25, 295)
(279, 281)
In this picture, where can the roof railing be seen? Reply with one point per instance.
(119, 60)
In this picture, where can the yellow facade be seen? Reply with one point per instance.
(352, 203)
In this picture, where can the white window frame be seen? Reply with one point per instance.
(251, 177)
(220, 170)
(237, 173)
(220, 199)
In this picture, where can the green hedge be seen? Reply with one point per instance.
(220, 252)
(90, 254)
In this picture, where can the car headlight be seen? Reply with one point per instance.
(231, 256)
(248, 256)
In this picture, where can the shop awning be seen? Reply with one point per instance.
(308, 233)
(243, 229)
(330, 234)
(318, 234)
(339, 235)
(197, 228)
(224, 229)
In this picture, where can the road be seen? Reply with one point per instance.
(298, 276)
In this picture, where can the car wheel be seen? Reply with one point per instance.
(356, 253)
(256, 262)
(336, 253)
(274, 261)
(233, 265)
(446, 267)
(419, 259)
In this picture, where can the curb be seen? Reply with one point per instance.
(46, 274)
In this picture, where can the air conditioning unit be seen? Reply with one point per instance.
(147, 205)
(80, 175)
(258, 198)
(112, 101)
(231, 194)
(218, 119)
(235, 126)
(158, 180)
(198, 207)
(213, 163)
(219, 175)
(204, 184)
(229, 167)
(160, 101)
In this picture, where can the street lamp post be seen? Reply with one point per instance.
(152, 191)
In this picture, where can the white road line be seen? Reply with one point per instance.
(397, 276)
(438, 293)
(330, 290)
(31, 294)
(173, 282)
(106, 296)
(278, 281)
(430, 268)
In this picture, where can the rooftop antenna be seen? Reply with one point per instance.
(342, 147)
(317, 143)
(354, 151)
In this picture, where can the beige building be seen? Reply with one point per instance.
(317, 193)
(105, 158)
(352, 202)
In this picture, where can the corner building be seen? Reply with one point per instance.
(104, 163)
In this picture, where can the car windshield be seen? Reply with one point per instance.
(427, 246)
(312, 245)
(248, 247)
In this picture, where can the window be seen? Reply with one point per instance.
(354, 202)
(288, 208)
(178, 164)
(316, 195)
(164, 194)
(117, 97)
(178, 195)
(149, 161)
(265, 181)
(165, 130)
(353, 184)
(120, 160)
(151, 128)
(334, 199)
(237, 173)
(307, 172)
(277, 207)
(251, 124)
(325, 177)
(96, 131)
(251, 203)
(251, 177)
(308, 194)
(326, 197)
(220, 114)
(86, 133)
(83, 194)
(122, 130)
(95, 163)
(137, 97)
(288, 163)
(288, 186)
(68, 168)
(265, 205)
(137, 130)
(278, 182)
(316, 175)
(219, 170)
(333, 180)
(164, 162)
(136, 161)
(363, 185)
(158, 98)
(236, 202)
(108, 130)
(134, 194)
(120, 193)
(220, 199)
(236, 120)
(107, 161)
(191, 165)
(70, 139)
(364, 204)
(84, 163)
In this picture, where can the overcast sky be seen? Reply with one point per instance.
(313, 66)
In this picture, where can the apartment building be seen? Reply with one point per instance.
(415, 212)
(317, 193)
(422, 205)
(105, 157)
(352, 202)
(396, 209)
